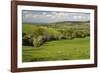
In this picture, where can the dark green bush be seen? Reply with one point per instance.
(26, 40)
(62, 37)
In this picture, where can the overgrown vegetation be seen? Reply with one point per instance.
(37, 34)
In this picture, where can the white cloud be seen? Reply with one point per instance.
(61, 14)
(25, 12)
(27, 15)
(54, 13)
(81, 17)
(75, 17)
(48, 15)
(44, 13)
(78, 17)
(34, 16)
(53, 17)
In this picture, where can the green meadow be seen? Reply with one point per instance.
(58, 50)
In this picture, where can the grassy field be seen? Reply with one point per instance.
(55, 41)
(75, 49)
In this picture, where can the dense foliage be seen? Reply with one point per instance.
(37, 34)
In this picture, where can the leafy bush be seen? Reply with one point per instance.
(62, 37)
(38, 41)
(26, 39)
(35, 42)
(38, 32)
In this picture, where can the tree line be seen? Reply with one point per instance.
(43, 34)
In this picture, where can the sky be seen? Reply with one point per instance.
(33, 16)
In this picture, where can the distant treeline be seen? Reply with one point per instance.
(59, 22)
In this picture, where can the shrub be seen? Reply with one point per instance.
(69, 34)
(50, 37)
(81, 34)
(44, 38)
(23, 34)
(74, 35)
(87, 33)
(38, 32)
(78, 34)
(27, 40)
(30, 41)
(35, 43)
(62, 37)
(38, 41)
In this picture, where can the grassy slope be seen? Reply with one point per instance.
(58, 50)
(29, 28)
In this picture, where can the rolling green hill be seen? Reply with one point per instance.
(55, 41)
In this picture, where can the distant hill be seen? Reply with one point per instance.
(63, 22)
(74, 22)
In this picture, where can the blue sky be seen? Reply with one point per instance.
(33, 16)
